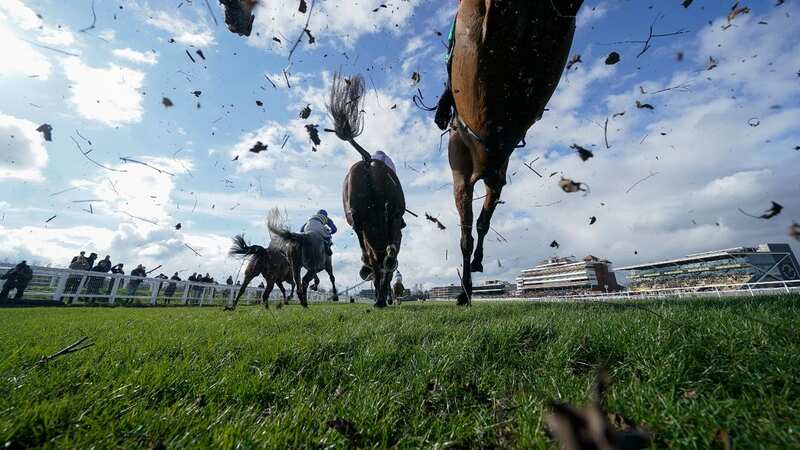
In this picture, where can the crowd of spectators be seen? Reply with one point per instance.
(18, 278)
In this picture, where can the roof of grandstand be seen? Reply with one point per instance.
(703, 256)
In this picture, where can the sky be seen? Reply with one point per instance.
(722, 134)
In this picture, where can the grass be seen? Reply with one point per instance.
(432, 376)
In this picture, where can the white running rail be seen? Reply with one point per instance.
(77, 286)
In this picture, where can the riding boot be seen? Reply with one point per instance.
(444, 109)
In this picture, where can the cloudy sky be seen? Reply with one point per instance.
(722, 133)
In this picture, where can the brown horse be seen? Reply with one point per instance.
(507, 60)
(304, 250)
(271, 263)
(372, 195)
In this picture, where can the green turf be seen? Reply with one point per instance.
(431, 376)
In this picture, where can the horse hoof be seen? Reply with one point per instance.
(462, 299)
(335, 298)
(476, 266)
(366, 273)
(390, 301)
(314, 288)
(227, 308)
(381, 304)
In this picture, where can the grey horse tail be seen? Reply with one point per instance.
(240, 248)
(284, 234)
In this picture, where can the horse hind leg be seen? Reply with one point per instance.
(463, 193)
(283, 292)
(248, 277)
(493, 191)
(267, 291)
(304, 288)
(329, 269)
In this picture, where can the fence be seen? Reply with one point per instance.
(717, 290)
(77, 287)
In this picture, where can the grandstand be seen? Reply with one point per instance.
(733, 266)
(564, 275)
(490, 288)
(445, 292)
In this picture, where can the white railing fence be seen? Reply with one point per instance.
(716, 290)
(85, 287)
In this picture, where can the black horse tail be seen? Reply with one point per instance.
(345, 107)
(241, 249)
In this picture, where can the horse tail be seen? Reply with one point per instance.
(279, 230)
(345, 107)
(240, 248)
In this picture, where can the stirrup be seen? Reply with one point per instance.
(444, 111)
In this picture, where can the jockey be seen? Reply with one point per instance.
(321, 221)
(444, 108)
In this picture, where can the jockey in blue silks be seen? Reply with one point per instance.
(446, 104)
(321, 223)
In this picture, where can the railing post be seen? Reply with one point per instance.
(185, 296)
(154, 288)
(718, 294)
(785, 286)
(77, 293)
(230, 295)
(115, 283)
(750, 288)
(62, 283)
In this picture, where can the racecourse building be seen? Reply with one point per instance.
(445, 292)
(561, 276)
(490, 288)
(733, 266)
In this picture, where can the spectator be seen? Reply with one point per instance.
(95, 283)
(160, 276)
(229, 281)
(79, 262)
(194, 291)
(171, 287)
(16, 278)
(133, 284)
(75, 258)
(117, 270)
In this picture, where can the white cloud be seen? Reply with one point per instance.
(15, 12)
(590, 14)
(22, 152)
(108, 34)
(194, 33)
(21, 58)
(140, 190)
(108, 95)
(342, 21)
(135, 56)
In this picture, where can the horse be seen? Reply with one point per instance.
(507, 60)
(397, 291)
(372, 195)
(305, 250)
(271, 263)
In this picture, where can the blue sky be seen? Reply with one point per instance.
(699, 142)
